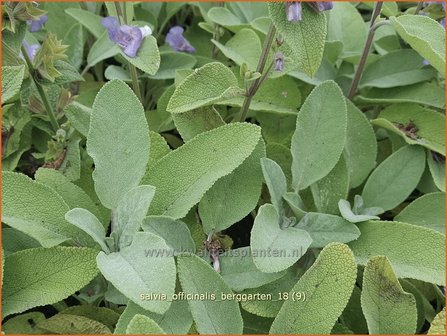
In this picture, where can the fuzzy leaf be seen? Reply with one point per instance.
(171, 62)
(330, 279)
(243, 47)
(23, 324)
(191, 123)
(197, 165)
(175, 232)
(427, 125)
(104, 315)
(210, 316)
(438, 325)
(276, 183)
(324, 229)
(148, 56)
(308, 52)
(424, 35)
(12, 77)
(286, 245)
(143, 325)
(224, 204)
(239, 271)
(427, 210)
(320, 135)
(436, 165)
(73, 195)
(398, 68)
(89, 20)
(117, 114)
(38, 211)
(331, 188)
(419, 254)
(176, 320)
(387, 308)
(41, 276)
(361, 146)
(72, 324)
(130, 212)
(205, 86)
(395, 178)
(89, 223)
(133, 271)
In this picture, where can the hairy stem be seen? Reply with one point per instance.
(260, 68)
(366, 49)
(419, 7)
(41, 91)
(132, 69)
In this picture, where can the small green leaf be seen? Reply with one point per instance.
(23, 324)
(211, 316)
(197, 165)
(205, 86)
(425, 126)
(243, 47)
(88, 19)
(324, 229)
(438, 325)
(395, 178)
(320, 135)
(387, 308)
(136, 270)
(14, 240)
(327, 285)
(30, 273)
(102, 49)
(104, 315)
(270, 308)
(72, 324)
(424, 35)
(119, 165)
(143, 325)
(130, 212)
(331, 188)
(191, 123)
(175, 232)
(296, 204)
(148, 56)
(436, 165)
(276, 183)
(38, 211)
(427, 210)
(420, 253)
(12, 78)
(398, 68)
(224, 204)
(429, 94)
(361, 146)
(79, 117)
(285, 246)
(87, 222)
(308, 52)
(239, 271)
(346, 25)
(73, 195)
(171, 62)
(176, 320)
(349, 215)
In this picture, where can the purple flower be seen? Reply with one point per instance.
(176, 40)
(321, 6)
(31, 50)
(129, 38)
(442, 22)
(279, 61)
(36, 25)
(293, 10)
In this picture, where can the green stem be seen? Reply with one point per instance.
(60, 306)
(260, 68)
(132, 69)
(366, 49)
(41, 91)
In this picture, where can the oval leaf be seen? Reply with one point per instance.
(117, 114)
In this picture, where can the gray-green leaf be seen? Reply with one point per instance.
(117, 114)
(211, 316)
(320, 135)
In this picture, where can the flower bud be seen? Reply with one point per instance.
(321, 6)
(279, 61)
(293, 11)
